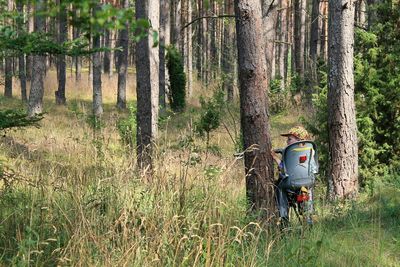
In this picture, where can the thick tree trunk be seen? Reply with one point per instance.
(343, 150)
(96, 82)
(253, 107)
(62, 66)
(270, 13)
(299, 36)
(147, 71)
(35, 105)
(107, 54)
(123, 62)
(228, 52)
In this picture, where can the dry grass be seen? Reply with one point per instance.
(75, 197)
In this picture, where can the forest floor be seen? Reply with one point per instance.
(73, 196)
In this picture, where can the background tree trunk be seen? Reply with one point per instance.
(253, 106)
(299, 37)
(283, 46)
(343, 149)
(35, 105)
(123, 62)
(165, 25)
(228, 52)
(96, 59)
(147, 71)
(270, 14)
(61, 64)
(8, 73)
(21, 59)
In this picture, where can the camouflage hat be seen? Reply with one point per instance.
(299, 132)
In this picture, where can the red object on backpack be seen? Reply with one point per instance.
(302, 197)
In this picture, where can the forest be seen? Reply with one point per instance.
(199, 132)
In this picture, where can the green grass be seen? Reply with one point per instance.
(75, 198)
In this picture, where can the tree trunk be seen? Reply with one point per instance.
(165, 25)
(35, 105)
(63, 31)
(147, 89)
(228, 52)
(283, 46)
(253, 107)
(199, 63)
(270, 13)
(189, 50)
(343, 150)
(299, 36)
(107, 54)
(314, 32)
(21, 58)
(96, 82)
(8, 77)
(77, 59)
(123, 62)
(324, 31)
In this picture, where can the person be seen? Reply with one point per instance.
(294, 135)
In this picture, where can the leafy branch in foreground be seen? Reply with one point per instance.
(17, 118)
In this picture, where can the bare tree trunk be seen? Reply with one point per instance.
(314, 31)
(8, 77)
(147, 71)
(228, 52)
(21, 59)
(96, 65)
(199, 63)
(123, 62)
(175, 22)
(8, 86)
(35, 105)
(107, 54)
(299, 36)
(63, 30)
(77, 59)
(324, 31)
(270, 14)
(189, 52)
(253, 107)
(165, 25)
(283, 46)
(343, 149)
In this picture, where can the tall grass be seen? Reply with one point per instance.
(73, 196)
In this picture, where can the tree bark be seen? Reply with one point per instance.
(8, 73)
(314, 31)
(147, 89)
(35, 105)
(324, 31)
(62, 66)
(283, 46)
(228, 52)
(299, 36)
(343, 150)
(189, 52)
(270, 13)
(253, 107)
(21, 59)
(123, 62)
(164, 42)
(96, 65)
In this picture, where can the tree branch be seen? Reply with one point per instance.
(207, 17)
